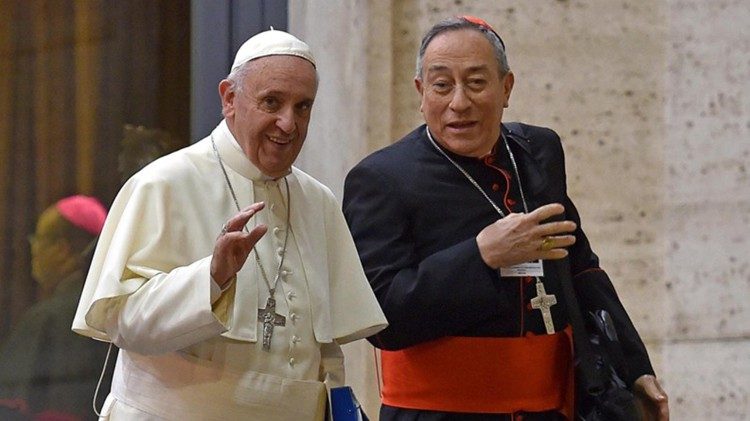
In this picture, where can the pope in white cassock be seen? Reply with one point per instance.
(226, 276)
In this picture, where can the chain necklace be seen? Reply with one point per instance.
(542, 301)
(267, 315)
(474, 182)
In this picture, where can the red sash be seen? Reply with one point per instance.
(482, 375)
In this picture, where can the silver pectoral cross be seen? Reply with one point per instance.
(269, 318)
(543, 302)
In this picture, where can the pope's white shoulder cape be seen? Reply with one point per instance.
(165, 219)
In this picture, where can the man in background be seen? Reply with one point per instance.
(45, 368)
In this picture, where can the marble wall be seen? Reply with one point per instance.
(652, 102)
(707, 208)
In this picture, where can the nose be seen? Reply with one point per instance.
(460, 100)
(285, 120)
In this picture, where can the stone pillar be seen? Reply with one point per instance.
(351, 41)
(707, 209)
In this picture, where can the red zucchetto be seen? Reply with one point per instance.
(85, 212)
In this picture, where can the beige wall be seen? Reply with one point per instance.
(652, 101)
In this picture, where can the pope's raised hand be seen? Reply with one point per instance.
(234, 244)
(524, 237)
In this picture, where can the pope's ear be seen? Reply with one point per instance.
(227, 97)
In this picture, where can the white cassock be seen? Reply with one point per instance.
(190, 352)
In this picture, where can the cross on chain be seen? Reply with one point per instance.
(543, 302)
(269, 318)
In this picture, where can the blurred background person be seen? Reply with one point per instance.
(45, 369)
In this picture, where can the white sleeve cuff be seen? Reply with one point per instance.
(216, 290)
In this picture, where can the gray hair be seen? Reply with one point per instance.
(458, 23)
(237, 76)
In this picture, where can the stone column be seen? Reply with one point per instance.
(351, 41)
(707, 209)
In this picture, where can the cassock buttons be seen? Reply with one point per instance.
(294, 317)
(285, 274)
(277, 231)
(495, 187)
(280, 251)
(296, 339)
(273, 206)
(291, 361)
(291, 295)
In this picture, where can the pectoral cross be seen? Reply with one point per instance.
(269, 318)
(543, 302)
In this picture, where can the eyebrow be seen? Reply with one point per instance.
(270, 92)
(479, 68)
(280, 94)
(472, 69)
(436, 68)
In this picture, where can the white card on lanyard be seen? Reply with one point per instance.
(524, 269)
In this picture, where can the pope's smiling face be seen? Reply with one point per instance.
(463, 92)
(269, 113)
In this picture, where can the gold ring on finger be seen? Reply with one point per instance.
(547, 244)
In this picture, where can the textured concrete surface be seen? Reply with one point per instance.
(707, 158)
(707, 209)
(708, 380)
(652, 102)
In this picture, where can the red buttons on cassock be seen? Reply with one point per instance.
(495, 187)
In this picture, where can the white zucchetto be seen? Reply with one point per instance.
(272, 43)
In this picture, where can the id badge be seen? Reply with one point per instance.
(534, 268)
